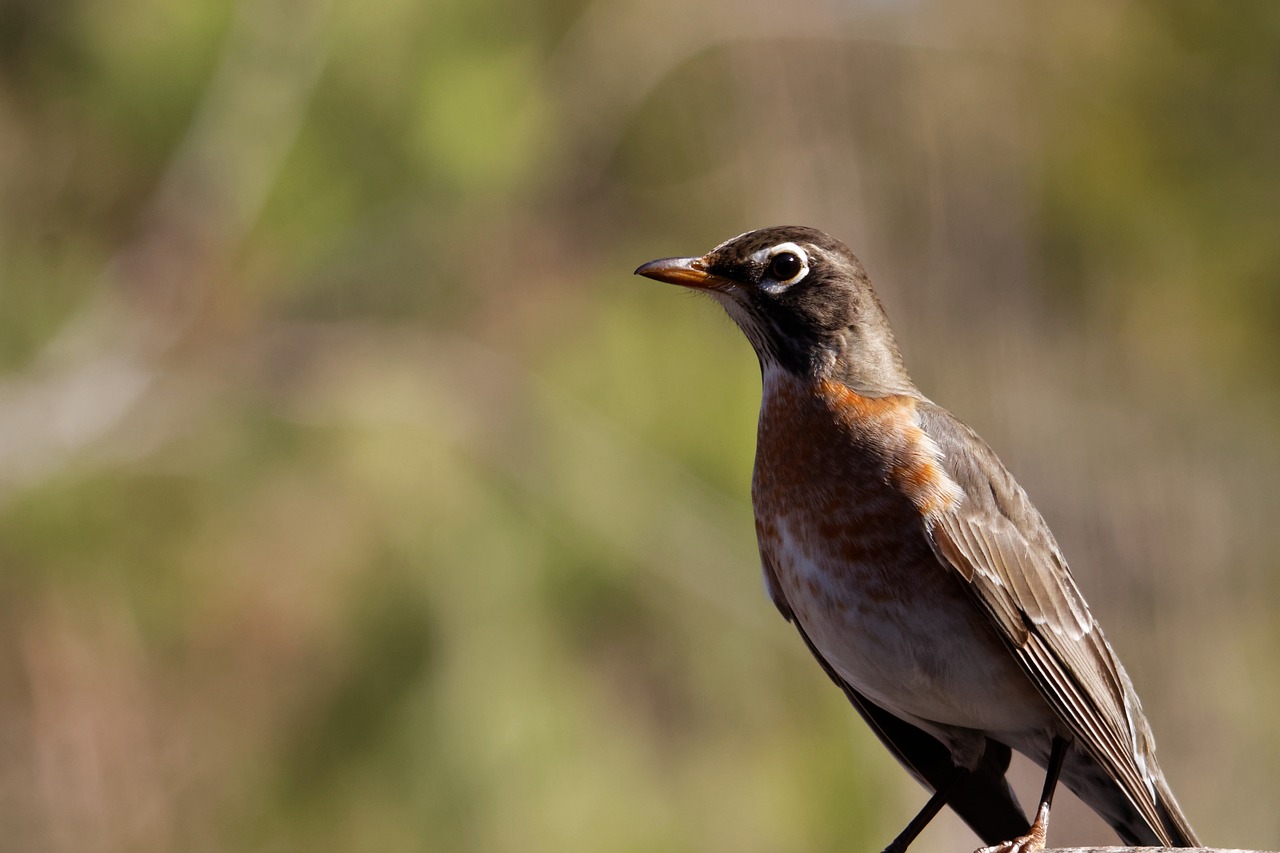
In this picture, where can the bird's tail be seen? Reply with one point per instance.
(1176, 825)
(1171, 827)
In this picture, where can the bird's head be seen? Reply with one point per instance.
(803, 300)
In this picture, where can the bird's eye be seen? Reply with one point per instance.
(785, 266)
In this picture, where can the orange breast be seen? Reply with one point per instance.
(851, 477)
(843, 485)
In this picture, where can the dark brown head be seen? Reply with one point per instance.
(804, 302)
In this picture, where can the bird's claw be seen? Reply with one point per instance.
(1030, 843)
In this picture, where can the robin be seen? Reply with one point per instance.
(913, 565)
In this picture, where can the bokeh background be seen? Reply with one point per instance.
(354, 495)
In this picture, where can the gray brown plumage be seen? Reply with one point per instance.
(915, 568)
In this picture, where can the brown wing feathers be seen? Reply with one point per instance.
(997, 541)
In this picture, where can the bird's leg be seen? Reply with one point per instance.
(1035, 838)
(926, 814)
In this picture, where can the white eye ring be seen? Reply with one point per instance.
(766, 256)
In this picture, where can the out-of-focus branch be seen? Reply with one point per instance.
(617, 53)
(102, 362)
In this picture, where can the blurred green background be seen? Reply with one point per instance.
(354, 495)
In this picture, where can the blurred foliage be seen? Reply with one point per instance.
(353, 495)
(1167, 189)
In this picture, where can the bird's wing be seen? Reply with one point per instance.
(998, 542)
(983, 799)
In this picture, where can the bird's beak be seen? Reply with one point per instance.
(686, 272)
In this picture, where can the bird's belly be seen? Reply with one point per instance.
(904, 633)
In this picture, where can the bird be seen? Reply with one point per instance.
(917, 571)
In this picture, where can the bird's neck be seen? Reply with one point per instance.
(868, 364)
(866, 359)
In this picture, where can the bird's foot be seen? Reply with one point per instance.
(1032, 842)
